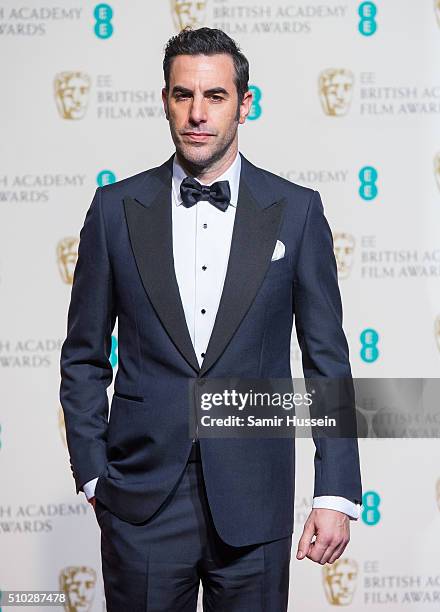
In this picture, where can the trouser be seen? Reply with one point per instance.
(157, 565)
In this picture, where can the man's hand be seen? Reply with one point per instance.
(92, 501)
(332, 530)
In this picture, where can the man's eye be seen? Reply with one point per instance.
(216, 97)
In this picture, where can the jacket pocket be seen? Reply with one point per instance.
(133, 398)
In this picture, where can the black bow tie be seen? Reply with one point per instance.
(218, 194)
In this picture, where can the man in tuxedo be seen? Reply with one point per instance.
(205, 260)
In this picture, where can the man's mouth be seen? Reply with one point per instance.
(198, 136)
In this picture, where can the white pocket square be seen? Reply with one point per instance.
(278, 251)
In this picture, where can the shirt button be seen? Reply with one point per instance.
(204, 267)
(203, 311)
(205, 225)
(202, 354)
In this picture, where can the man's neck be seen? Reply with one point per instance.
(210, 173)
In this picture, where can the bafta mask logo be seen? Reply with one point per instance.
(188, 13)
(340, 581)
(437, 331)
(437, 167)
(78, 584)
(62, 425)
(335, 91)
(343, 246)
(72, 94)
(67, 255)
(437, 11)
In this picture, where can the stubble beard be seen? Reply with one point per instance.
(198, 158)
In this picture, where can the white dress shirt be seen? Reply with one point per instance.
(202, 237)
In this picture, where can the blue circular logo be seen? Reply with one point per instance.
(103, 14)
(105, 177)
(367, 13)
(114, 352)
(370, 505)
(368, 188)
(369, 351)
(256, 109)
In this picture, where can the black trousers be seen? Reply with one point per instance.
(157, 566)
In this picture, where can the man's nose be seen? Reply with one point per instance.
(198, 113)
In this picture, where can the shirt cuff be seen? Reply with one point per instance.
(334, 502)
(89, 488)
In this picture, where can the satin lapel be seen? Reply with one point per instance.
(254, 236)
(150, 230)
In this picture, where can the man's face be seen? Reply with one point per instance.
(201, 107)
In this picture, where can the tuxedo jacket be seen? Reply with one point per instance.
(125, 269)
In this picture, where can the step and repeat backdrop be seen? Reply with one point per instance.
(346, 101)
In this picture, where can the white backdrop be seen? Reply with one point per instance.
(347, 102)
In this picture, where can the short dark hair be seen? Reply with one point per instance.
(207, 41)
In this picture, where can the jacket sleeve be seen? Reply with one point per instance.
(86, 371)
(324, 348)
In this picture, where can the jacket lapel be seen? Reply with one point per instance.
(148, 214)
(256, 227)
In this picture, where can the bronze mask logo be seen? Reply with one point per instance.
(78, 584)
(62, 425)
(340, 581)
(437, 11)
(437, 331)
(72, 94)
(343, 246)
(437, 167)
(67, 255)
(335, 91)
(188, 13)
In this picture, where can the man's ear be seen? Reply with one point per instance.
(245, 106)
(165, 102)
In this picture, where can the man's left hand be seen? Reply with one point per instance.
(332, 531)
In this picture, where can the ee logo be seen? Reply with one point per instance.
(105, 177)
(367, 13)
(256, 110)
(370, 504)
(114, 352)
(368, 178)
(103, 14)
(369, 351)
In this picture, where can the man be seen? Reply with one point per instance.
(204, 260)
